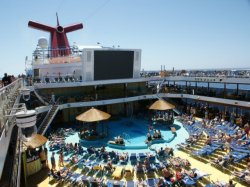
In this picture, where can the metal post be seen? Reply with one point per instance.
(225, 89)
(237, 89)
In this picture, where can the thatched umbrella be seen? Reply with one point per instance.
(93, 115)
(161, 105)
(36, 141)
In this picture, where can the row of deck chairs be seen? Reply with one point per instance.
(58, 80)
(207, 150)
(80, 179)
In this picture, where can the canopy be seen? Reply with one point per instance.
(36, 141)
(93, 115)
(161, 105)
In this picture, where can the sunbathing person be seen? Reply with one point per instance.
(74, 159)
(167, 174)
(109, 167)
(124, 156)
(169, 151)
(192, 139)
(139, 167)
(161, 152)
(91, 150)
(53, 174)
(147, 163)
(155, 135)
(159, 134)
(209, 140)
(93, 133)
(230, 184)
(229, 161)
(178, 177)
(247, 129)
(63, 173)
(59, 174)
(119, 140)
(220, 161)
(191, 174)
(242, 173)
(102, 150)
(161, 183)
(149, 138)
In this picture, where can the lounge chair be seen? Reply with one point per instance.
(74, 178)
(142, 156)
(152, 159)
(151, 182)
(114, 183)
(129, 171)
(131, 183)
(159, 166)
(84, 180)
(238, 156)
(151, 168)
(133, 158)
(117, 174)
(95, 182)
(188, 181)
(199, 173)
(140, 170)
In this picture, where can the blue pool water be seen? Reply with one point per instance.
(134, 131)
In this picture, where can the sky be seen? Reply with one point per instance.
(184, 34)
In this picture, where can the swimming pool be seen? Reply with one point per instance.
(134, 132)
(137, 130)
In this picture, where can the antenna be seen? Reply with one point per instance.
(57, 19)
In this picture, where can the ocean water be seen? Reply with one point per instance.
(214, 85)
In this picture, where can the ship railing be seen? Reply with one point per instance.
(17, 162)
(8, 95)
(56, 55)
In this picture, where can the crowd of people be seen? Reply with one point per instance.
(6, 80)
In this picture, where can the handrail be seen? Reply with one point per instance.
(44, 120)
(8, 95)
(6, 134)
(16, 169)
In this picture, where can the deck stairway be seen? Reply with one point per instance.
(48, 119)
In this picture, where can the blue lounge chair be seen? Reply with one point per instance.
(73, 178)
(159, 166)
(238, 156)
(133, 158)
(151, 182)
(114, 183)
(131, 184)
(142, 156)
(152, 159)
(188, 181)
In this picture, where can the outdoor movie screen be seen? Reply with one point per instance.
(113, 65)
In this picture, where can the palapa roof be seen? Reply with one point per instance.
(93, 115)
(36, 141)
(161, 105)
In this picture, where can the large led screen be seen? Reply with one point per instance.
(113, 65)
